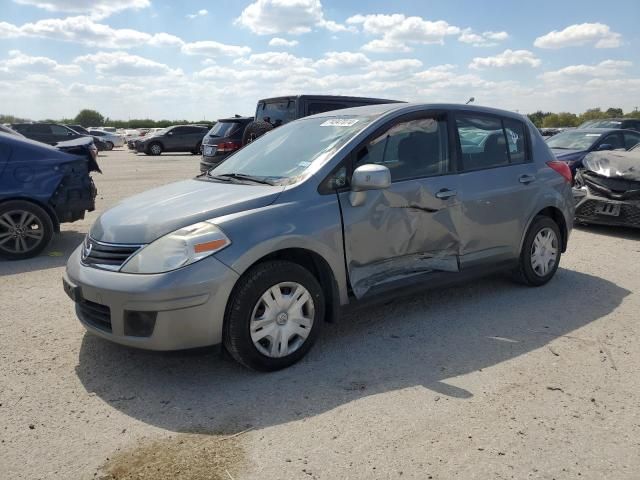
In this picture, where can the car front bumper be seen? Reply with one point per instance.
(208, 162)
(187, 304)
(599, 210)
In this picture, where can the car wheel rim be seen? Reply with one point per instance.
(155, 149)
(20, 231)
(282, 319)
(544, 252)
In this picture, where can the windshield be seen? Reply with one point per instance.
(277, 113)
(286, 152)
(223, 129)
(573, 140)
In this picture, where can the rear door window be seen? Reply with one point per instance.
(40, 129)
(483, 142)
(59, 130)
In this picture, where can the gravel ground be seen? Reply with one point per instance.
(486, 380)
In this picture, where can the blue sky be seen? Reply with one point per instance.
(207, 59)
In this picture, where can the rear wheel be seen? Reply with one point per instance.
(255, 129)
(541, 252)
(197, 150)
(154, 149)
(25, 229)
(274, 316)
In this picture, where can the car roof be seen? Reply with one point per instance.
(329, 97)
(236, 119)
(387, 108)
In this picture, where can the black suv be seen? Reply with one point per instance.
(222, 140)
(273, 112)
(179, 138)
(50, 133)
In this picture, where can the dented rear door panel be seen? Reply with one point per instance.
(400, 232)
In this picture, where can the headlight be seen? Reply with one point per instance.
(178, 249)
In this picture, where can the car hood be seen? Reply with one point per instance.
(614, 164)
(154, 213)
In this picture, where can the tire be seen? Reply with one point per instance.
(530, 272)
(255, 129)
(154, 148)
(197, 150)
(35, 229)
(246, 303)
(109, 146)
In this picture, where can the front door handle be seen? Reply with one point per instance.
(446, 193)
(526, 179)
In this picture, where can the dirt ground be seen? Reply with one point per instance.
(488, 380)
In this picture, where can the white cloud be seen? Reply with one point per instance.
(94, 8)
(399, 31)
(281, 42)
(578, 73)
(86, 31)
(123, 64)
(273, 59)
(508, 58)
(580, 34)
(485, 39)
(294, 17)
(199, 13)
(20, 62)
(209, 48)
(342, 59)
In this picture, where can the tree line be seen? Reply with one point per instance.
(92, 118)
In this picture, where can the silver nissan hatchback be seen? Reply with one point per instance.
(339, 207)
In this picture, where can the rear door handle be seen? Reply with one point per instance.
(446, 193)
(526, 178)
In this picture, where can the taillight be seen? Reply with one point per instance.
(226, 147)
(562, 168)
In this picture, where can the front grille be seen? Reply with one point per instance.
(629, 214)
(108, 256)
(96, 315)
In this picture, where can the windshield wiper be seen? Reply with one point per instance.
(243, 176)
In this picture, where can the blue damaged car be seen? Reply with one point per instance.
(40, 188)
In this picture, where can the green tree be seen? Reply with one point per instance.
(537, 118)
(562, 119)
(614, 112)
(89, 118)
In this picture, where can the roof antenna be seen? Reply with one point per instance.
(471, 100)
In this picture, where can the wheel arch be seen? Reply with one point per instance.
(557, 216)
(316, 265)
(47, 208)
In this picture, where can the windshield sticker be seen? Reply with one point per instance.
(592, 135)
(340, 122)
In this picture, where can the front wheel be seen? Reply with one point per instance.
(274, 316)
(109, 146)
(155, 148)
(25, 230)
(541, 252)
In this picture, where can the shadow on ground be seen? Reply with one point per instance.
(626, 233)
(55, 255)
(421, 340)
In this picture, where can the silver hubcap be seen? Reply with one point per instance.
(20, 231)
(282, 319)
(156, 149)
(544, 252)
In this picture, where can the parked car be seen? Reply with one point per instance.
(181, 138)
(572, 146)
(623, 123)
(273, 112)
(40, 188)
(106, 129)
(324, 211)
(110, 139)
(222, 140)
(101, 145)
(549, 132)
(607, 188)
(49, 133)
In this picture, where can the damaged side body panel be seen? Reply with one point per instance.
(607, 189)
(399, 232)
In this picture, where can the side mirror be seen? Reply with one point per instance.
(605, 146)
(370, 177)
